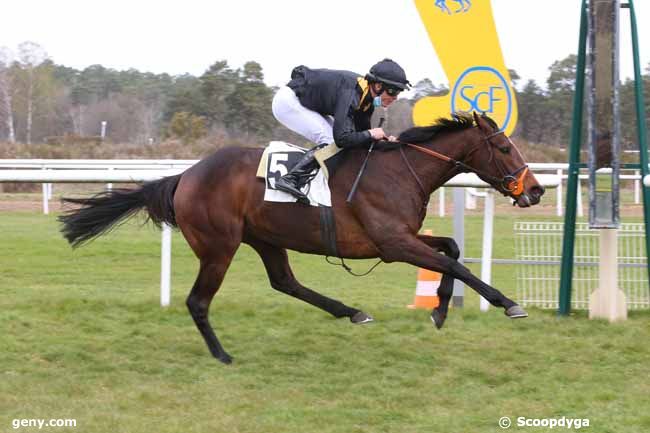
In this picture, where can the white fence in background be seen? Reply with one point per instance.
(102, 171)
(77, 164)
(559, 169)
(104, 168)
(538, 250)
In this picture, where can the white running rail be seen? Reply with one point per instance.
(130, 171)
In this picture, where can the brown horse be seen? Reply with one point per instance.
(218, 204)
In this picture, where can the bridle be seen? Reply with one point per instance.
(512, 183)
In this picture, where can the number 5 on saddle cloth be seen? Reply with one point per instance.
(279, 157)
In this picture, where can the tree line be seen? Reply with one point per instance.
(41, 101)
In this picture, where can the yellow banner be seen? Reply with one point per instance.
(465, 38)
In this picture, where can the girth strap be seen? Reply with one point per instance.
(328, 230)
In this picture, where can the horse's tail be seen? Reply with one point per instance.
(107, 210)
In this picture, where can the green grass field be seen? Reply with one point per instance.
(82, 336)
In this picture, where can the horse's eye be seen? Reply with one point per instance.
(504, 149)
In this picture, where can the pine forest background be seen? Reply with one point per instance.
(48, 110)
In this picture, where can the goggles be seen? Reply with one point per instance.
(392, 91)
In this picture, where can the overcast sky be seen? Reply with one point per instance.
(189, 35)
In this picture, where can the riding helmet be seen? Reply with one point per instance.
(390, 73)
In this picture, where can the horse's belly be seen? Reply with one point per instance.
(297, 227)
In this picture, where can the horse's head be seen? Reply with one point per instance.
(498, 162)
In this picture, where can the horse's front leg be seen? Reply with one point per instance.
(415, 251)
(449, 247)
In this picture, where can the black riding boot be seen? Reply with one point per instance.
(298, 176)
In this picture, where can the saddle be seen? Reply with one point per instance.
(277, 159)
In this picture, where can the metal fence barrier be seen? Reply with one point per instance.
(538, 250)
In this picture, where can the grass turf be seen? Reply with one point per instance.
(82, 336)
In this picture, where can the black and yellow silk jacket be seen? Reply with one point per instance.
(344, 95)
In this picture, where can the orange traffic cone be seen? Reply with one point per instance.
(426, 289)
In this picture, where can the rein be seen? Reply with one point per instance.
(511, 183)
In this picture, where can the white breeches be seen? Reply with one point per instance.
(310, 124)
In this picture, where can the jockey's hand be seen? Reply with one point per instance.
(377, 134)
(385, 145)
(392, 138)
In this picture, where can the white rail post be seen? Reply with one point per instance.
(488, 232)
(559, 204)
(459, 236)
(441, 202)
(46, 203)
(580, 210)
(109, 186)
(165, 265)
(637, 187)
(470, 198)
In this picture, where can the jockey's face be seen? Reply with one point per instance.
(386, 98)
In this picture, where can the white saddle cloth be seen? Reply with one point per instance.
(276, 161)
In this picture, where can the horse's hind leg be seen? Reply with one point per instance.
(213, 268)
(282, 279)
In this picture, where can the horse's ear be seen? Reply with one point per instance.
(481, 123)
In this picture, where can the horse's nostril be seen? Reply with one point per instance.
(537, 191)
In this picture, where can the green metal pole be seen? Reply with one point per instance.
(568, 240)
(641, 128)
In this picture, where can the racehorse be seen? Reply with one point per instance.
(218, 204)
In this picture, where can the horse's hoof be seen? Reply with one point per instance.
(438, 318)
(360, 318)
(225, 358)
(516, 312)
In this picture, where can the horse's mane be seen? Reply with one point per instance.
(458, 122)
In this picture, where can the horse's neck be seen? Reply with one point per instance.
(435, 172)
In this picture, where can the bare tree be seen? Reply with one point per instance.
(6, 112)
(30, 55)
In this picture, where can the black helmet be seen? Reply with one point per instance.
(389, 73)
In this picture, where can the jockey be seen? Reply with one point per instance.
(327, 106)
